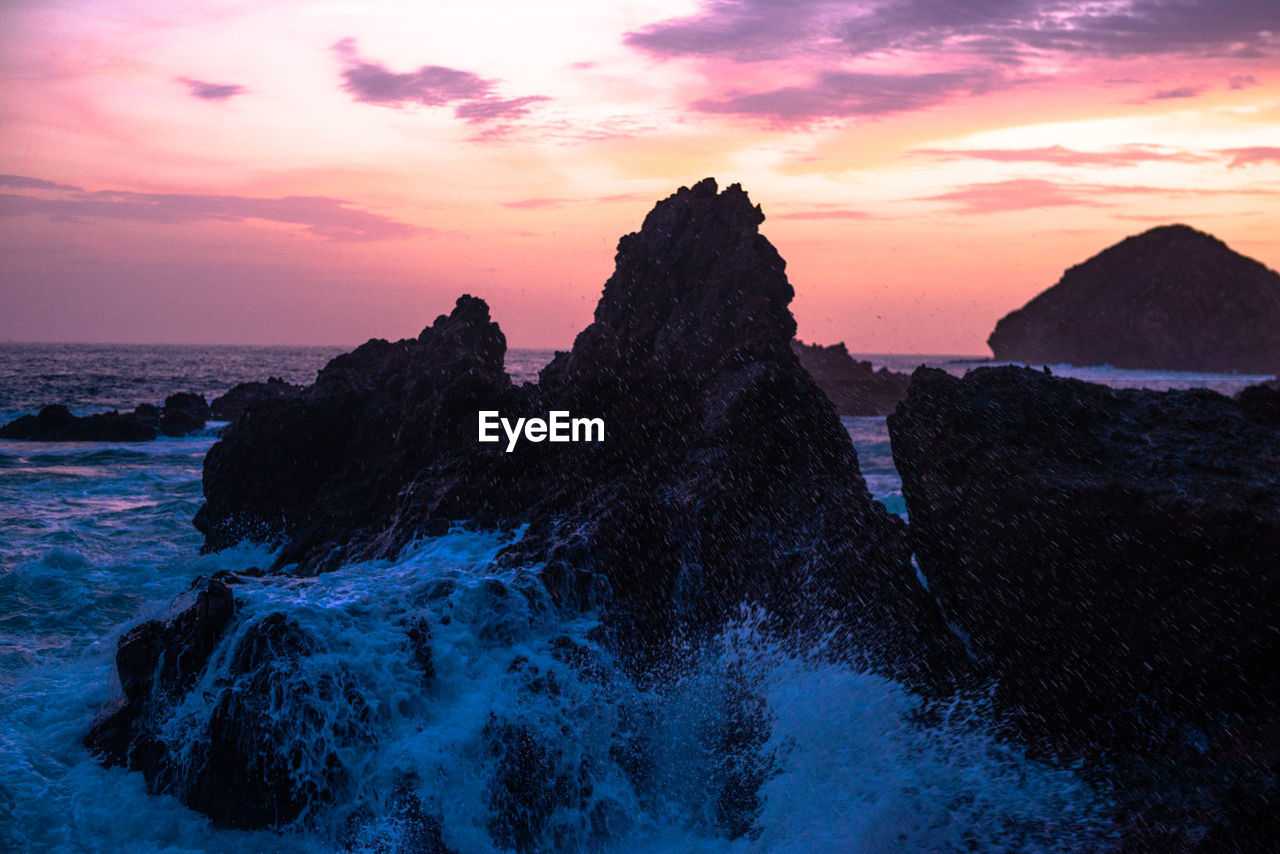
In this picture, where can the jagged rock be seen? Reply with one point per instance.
(1111, 558)
(158, 662)
(854, 387)
(725, 475)
(270, 750)
(229, 406)
(331, 472)
(1172, 298)
(182, 413)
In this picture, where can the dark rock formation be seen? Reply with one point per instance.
(854, 387)
(1261, 402)
(182, 414)
(229, 406)
(1171, 298)
(725, 475)
(249, 762)
(158, 662)
(332, 472)
(1112, 558)
(55, 423)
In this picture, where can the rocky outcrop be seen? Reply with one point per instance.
(1111, 557)
(724, 476)
(181, 414)
(1171, 298)
(228, 407)
(380, 449)
(158, 662)
(854, 387)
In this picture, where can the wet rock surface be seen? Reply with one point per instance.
(158, 662)
(1172, 298)
(854, 387)
(1111, 558)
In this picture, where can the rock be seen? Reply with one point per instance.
(854, 387)
(270, 751)
(331, 472)
(158, 662)
(1261, 402)
(725, 475)
(229, 406)
(182, 414)
(1111, 558)
(1171, 298)
(56, 424)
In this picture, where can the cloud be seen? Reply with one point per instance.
(1251, 156)
(840, 94)
(825, 213)
(473, 98)
(1125, 155)
(212, 91)
(332, 219)
(1001, 30)
(490, 109)
(560, 202)
(1030, 193)
(1180, 92)
(1014, 195)
(744, 30)
(1241, 81)
(22, 182)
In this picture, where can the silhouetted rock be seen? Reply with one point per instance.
(1261, 402)
(229, 406)
(331, 472)
(725, 475)
(854, 387)
(1111, 557)
(182, 414)
(1171, 298)
(56, 424)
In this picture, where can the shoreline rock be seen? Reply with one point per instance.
(854, 387)
(230, 406)
(180, 415)
(1111, 557)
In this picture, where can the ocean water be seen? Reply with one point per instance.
(95, 538)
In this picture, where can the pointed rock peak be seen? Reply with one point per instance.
(698, 286)
(467, 311)
(469, 333)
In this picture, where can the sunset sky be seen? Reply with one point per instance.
(325, 172)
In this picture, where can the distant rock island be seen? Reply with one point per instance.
(1171, 298)
(854, 387)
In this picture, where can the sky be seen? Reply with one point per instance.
(254, 171)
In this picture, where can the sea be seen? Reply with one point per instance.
(97, 537)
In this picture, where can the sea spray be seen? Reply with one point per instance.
(522, 733)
